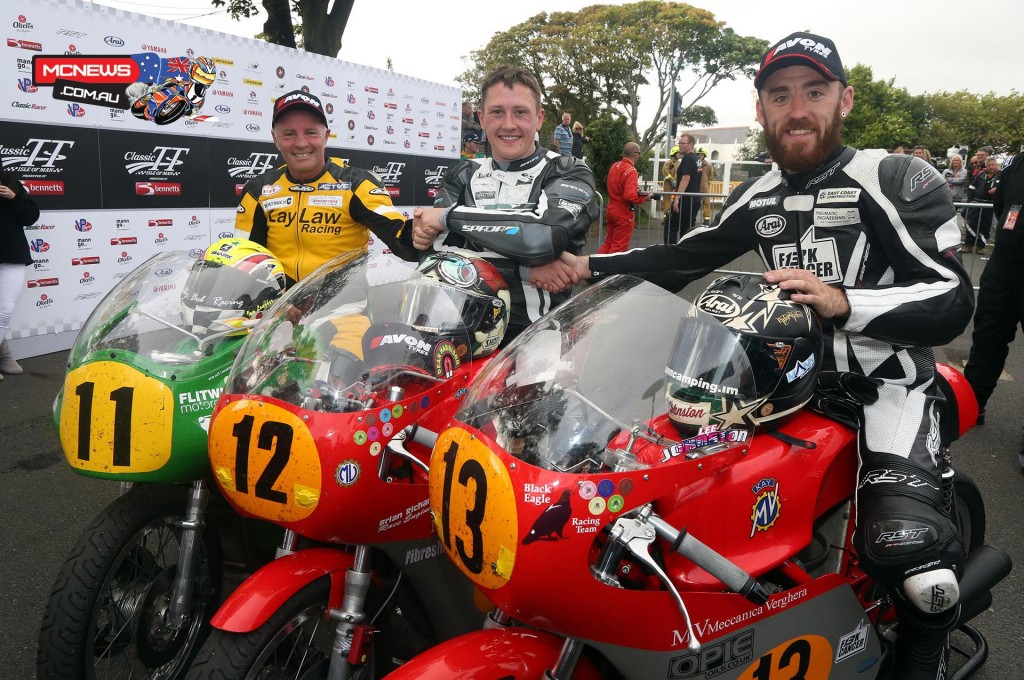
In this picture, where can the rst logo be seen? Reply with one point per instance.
(157, 189)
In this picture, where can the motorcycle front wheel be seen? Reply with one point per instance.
(294, 643)
(107, 616)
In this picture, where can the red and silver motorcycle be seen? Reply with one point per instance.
(316, 433)
(565, 491)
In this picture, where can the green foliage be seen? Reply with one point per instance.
(313, 25)
(595, 61)
(608, 134)
(752, 146)
(883, 115)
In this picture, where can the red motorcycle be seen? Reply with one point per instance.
(315, 433)
(632, 536)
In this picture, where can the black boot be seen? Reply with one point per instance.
(922, 642)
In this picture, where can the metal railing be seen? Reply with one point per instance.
(650, 231)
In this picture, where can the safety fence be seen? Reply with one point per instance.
(650, 230)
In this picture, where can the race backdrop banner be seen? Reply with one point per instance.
(135, 135)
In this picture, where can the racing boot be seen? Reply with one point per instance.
(7, 363)
(922, 642)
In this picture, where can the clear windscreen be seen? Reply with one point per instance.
(586, 388)
(338, 343)
(144, 314)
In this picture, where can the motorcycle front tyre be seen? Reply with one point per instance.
(106, 615)
(295, 642)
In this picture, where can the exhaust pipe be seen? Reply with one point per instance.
(985, 567)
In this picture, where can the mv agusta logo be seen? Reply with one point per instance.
(253, 166)
(163, 160)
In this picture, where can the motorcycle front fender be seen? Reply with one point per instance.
(490, 654)
(268, 589)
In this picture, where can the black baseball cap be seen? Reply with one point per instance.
(297, 100)
(802, 49)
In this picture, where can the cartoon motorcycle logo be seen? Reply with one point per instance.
(166, 102)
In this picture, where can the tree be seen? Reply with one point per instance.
(883, 115)
(608, 134)
(318, 25)
(598, 60)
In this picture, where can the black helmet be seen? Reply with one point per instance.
(759, 373)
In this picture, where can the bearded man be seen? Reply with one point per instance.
(870, 241)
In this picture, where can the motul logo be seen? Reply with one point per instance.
(161, 223)
(42, 188)
(78, 261)
(157, 189)
(124, 241)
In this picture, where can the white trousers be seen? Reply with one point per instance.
(12, 282)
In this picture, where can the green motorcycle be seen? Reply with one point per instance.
(134, 597)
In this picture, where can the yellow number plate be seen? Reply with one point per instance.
(115, 419)
(265, 460)
(809, 657)
(474, 508)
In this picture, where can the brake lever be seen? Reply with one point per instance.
(636, 536)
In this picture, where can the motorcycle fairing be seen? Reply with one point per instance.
(818, 630)
(523, 533)
(304, 469)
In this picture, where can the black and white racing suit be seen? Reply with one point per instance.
(883, 228)
(517, 215)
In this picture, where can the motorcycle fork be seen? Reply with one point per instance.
(352, 635)
(565, 665)
(183, 593)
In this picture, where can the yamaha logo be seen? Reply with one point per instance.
(718, 305)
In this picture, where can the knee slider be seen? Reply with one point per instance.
(903, 533)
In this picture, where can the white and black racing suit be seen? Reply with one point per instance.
(517, 215)
(883, 228)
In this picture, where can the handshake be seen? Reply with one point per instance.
(565, 272)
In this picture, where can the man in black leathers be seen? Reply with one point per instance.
(871, 241)
(520, 208)
(1001, 297)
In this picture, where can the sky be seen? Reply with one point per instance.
(926, 45)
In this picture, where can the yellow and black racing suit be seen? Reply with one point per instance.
(308, 223)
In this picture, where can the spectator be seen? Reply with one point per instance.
(520, 208)
(17, 211)
(707, 176)
(898, 150)
(982, 155)
(563, 135)
(979, 221)
(922, 152)
(349, 202)
(623, 194)
(579, 138)
(764, 157)
(684, 208)
(470, 121)
(883, 309)
(1001, 296)
(668, 182)
(956, 177)
(471, 146)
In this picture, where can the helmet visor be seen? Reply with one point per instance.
(711, 361)
(212, 286)
(440, 308)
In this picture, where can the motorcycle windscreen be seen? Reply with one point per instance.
(143, 314)
(598, 369)
(337, 343)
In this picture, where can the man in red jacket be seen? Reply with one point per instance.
(623, 192)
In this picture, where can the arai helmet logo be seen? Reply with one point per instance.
(770, 225)
(718, 305)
